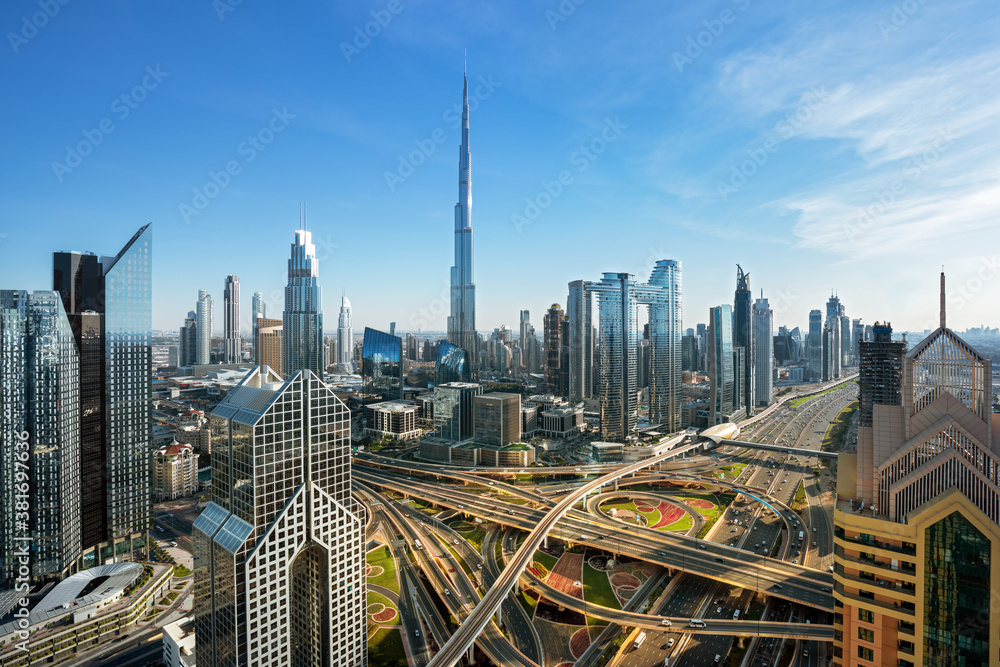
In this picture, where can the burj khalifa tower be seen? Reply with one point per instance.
(462, 321)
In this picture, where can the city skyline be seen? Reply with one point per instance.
(661, 172)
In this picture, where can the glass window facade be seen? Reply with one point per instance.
(452, 364)
(382, 366)
(956, 594)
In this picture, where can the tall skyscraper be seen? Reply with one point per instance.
(462, 320)
(259, 308)
(617, 347)
(743, 337)
(231, 334)
(917, 516)
(579, 311)
(204, 328)
(187, 354)
(269, 344)
(279, 552)
(720, 363)
(814, 346)
(345, 338)
(763, 328)
(302, 320)
(553, 340)
(663, 295)
(381, 366)
(109, 306)
(40, 438)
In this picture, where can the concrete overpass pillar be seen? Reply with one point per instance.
(742, 641)
(545, 542)
(471, 656)
(616, 486)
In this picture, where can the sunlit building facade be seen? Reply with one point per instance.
(302, 320)
(917, 521)
(279, 552)
(39, 437)
(618, 340)
(720, 363)
(452, 364)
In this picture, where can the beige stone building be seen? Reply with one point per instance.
(175, 472)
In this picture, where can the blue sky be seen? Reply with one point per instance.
(823, 145)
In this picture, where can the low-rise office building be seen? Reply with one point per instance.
(392, 419)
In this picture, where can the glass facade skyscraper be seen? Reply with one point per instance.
(259, 310)
(743, 337)
(763, 321)
(381, 366)
(279, 552)
(231, 333)
(109, 305)
(302, 320)
(579, 311)
(720, 363)
(204, 328)
(663, 295)
(618, 340)
(452, 364)
(39, 437)
(462, 320)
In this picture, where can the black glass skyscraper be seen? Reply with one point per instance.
(109, 306)
(743, 336)
(452, 364)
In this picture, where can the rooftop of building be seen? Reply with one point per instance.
(395, 406)
(174, 449)
(459, 385)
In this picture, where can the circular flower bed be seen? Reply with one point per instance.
(622, 580)
(385, 615)
(375, 608)
(579, 642)
(700, 504)
(375, 570)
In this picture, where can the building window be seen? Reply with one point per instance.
(866, 634)
(866, 654)
(866, 616)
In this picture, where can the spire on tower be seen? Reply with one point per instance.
(942, 298)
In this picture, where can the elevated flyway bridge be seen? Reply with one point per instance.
(777, 448)
(454, 649)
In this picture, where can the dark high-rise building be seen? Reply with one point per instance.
(689, 353)
(579, 312)
(880, 373)
(39, 438)
(564, 355)
(814, 346)
(553, 353)
(109, 306)
(381, 366)
(231, 332)
(187, 354)
(743, 337)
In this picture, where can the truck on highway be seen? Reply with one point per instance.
(800, 536)
(417, 544)
(639, 640)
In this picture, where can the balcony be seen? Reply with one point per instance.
(894, 609)
(905, 647)
(908, 569)
(907, 548)
(906, 628)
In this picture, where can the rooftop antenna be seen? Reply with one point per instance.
(942, 297)
(465, 63)
(305, 217)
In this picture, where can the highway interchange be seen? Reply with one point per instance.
(751, 553)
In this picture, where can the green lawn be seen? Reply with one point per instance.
(529, 603)
(796, 402)
(682, 525)
(374, 597)
(597, 588)
(381, 557)
(548, 561)
(385, 647)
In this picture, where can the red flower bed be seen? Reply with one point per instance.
(669, 513)
(385, 615)
(579, 642)
(700, 504)
(622, 579)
